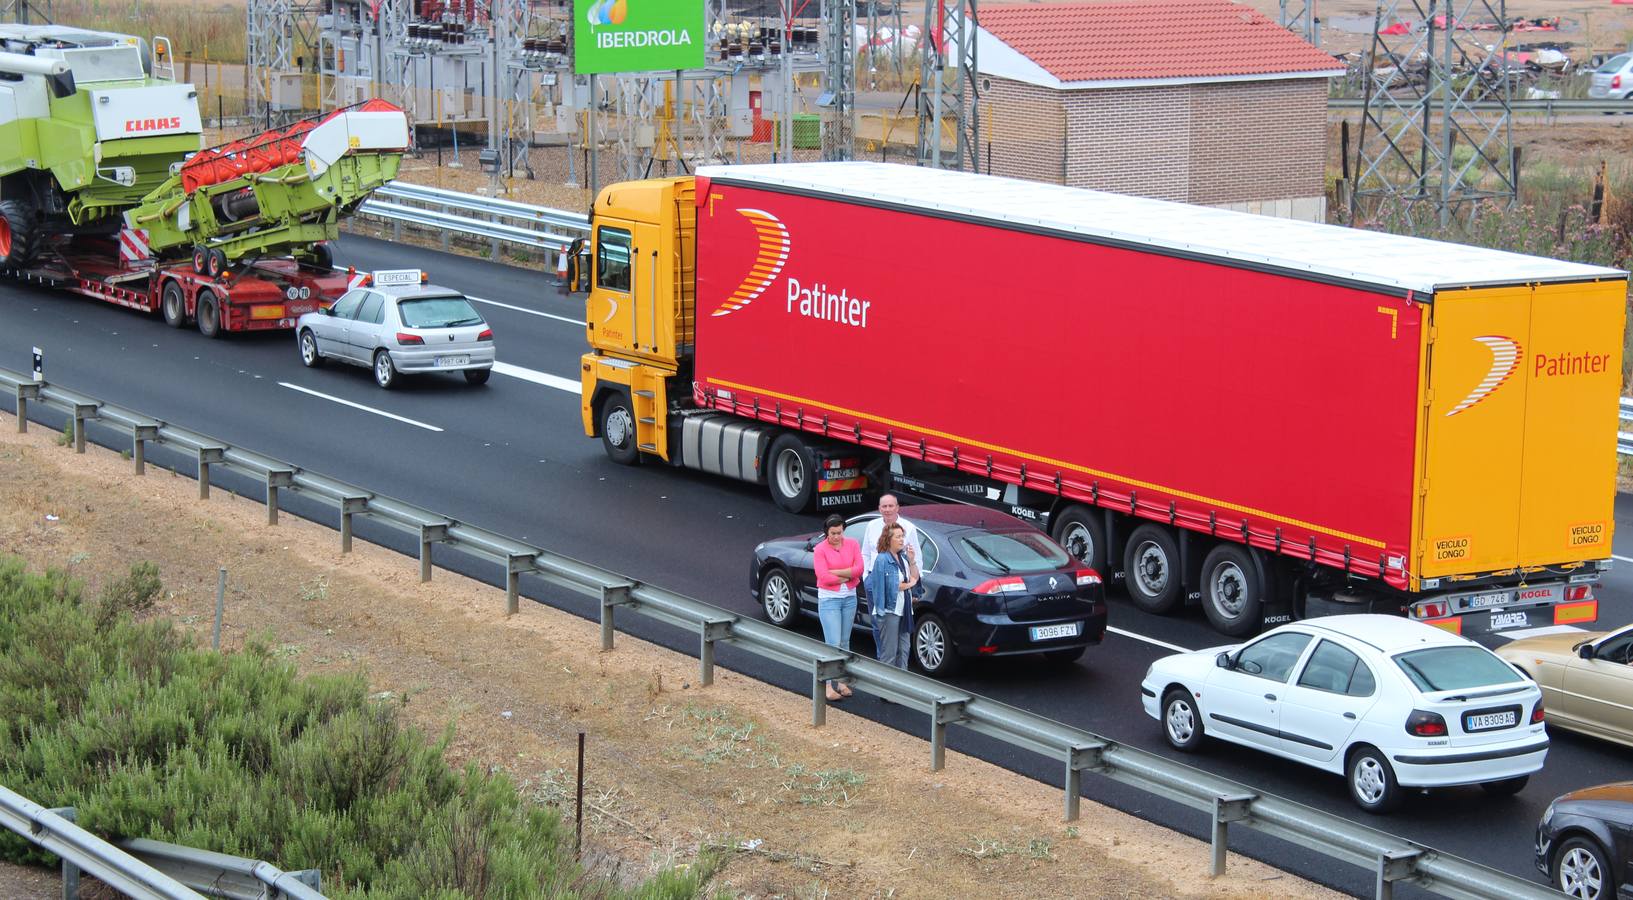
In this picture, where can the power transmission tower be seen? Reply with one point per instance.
(1425, 148)
(839, 125)
(27, 12)
(948, 98)
(1299, 17)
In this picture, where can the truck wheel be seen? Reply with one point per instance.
(1081, 532)
(618, 429)
(310, 357)
(933, 646)
(208, 315)
(173, 305)
(1151, 564)
(791, 473)
(385, 373)
(1233, 590)
(19, 238)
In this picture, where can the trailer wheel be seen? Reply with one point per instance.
(201, 260)
(790, 472)
(1151, 564)
(19, 238)
(1233, 590)
(208, 315)
(1083, 535)
(617, 418)
(215, 261)
(173, 305)
(322, 256)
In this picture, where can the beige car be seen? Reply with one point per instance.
(1586, 679)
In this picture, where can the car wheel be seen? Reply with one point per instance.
(1181, 721)
(1233, 590)
(791, 473)
(618, 429)
(209, 315)
(1083, 535)
(310, 357)
(173, 305)
(385, 372)
(1582, 870)
(1372, 782)
(1151, 564)
(933, 646)
(477, 376)
(777, 597)
(1064, 657)
(1508, 787)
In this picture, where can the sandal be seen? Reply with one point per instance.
(845, 691)
(834, 696)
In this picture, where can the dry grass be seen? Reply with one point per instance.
(203, 29)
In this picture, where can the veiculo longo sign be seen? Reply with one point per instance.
(637, 35)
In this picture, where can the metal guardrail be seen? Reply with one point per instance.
(54, 830)
(1393, 860)
(1624, 439)
(221, 875)
(493, 218)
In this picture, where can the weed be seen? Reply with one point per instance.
(989, 848)
(314, 590)
(822, 787)
(66, 438)
(1040, 848)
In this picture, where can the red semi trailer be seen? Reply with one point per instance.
(1269, 418)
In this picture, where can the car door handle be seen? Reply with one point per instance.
(1269, 696)
(1349, 715)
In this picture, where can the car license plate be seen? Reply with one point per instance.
(1510, 620)
(453, 360)
(1051, 632)
(1483, 601)
(1489, 721)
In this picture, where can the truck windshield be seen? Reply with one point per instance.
(1454, 668)
(438, 312)
(102, 63)
(1012, 552)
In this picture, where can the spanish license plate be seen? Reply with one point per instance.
(1489, 721)
(1519, 619)
(453, 360)
(1484, 601)
(1052, 632)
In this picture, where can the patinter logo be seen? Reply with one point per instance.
(768, 263)
(1505, 358)
(152, 124)
(615, 12)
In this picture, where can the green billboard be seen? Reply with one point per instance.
(637, 35)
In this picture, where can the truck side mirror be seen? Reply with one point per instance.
(578, 267)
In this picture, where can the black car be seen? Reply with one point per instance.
(994, 586)
(1585, 842)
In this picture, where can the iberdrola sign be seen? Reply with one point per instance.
(637, 35)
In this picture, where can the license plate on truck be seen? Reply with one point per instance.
(1488, 600)
(1054, 632)
(1490, 721)
(453, 360)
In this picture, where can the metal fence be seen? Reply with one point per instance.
(1547, 107)
(492, 218)
(1392, 859)
(1624, 439)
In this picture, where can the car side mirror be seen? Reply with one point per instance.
(1584, 650)
(1224, 661)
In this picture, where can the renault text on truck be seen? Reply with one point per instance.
(1267, 417)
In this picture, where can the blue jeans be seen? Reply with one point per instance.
(837, 615)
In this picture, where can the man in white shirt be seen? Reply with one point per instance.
(889, 514)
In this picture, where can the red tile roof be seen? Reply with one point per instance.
(1162, 39)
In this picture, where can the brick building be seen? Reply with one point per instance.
(1202, 101)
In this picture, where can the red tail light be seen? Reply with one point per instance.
(1616, 82)
(1001, 586)
(405, 339)
(1422, 723)
(1086, 577)
(486, 335)
(1536, 714)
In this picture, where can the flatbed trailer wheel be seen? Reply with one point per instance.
(173, 305)
(209, 315)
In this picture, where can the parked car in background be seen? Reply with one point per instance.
(1586, 679)
(1613, 80)
(398, 324)
(1585, 842)
(1390, 703)
(994, 586)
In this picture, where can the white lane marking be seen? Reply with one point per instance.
(1625, 559)
(367, 409)
(537, 377)
(1149, 640)
(523, 309)
(1539, 632)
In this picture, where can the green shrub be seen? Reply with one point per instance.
(149, 736)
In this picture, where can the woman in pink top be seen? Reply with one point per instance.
(838, 571)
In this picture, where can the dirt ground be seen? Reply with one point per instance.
(847, 810)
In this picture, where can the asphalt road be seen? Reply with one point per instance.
(512, 456)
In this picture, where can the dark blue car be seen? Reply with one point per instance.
(994, 586)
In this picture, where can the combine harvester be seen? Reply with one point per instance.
(122, 208)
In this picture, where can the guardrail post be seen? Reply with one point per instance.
(1226, 809)
(514, 567)
(1078, 758)
(70, 871)
(823, 671)
(1393, 866)
(26, 391)
(613, 596)
(139, 436)
(82, 413)
(276, 478)
(942, 713)
(350, 506)
(430, 534)
(206, 456)
(713, 630)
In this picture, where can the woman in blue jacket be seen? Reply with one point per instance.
(892, 585)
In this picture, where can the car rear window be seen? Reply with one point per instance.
(1614, 64)
(1455, 668)
(438, 312)
(1012, 552)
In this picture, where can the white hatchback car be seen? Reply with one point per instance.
(1388, 702)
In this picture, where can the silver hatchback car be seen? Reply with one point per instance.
(1614, 79)
(400, 329)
